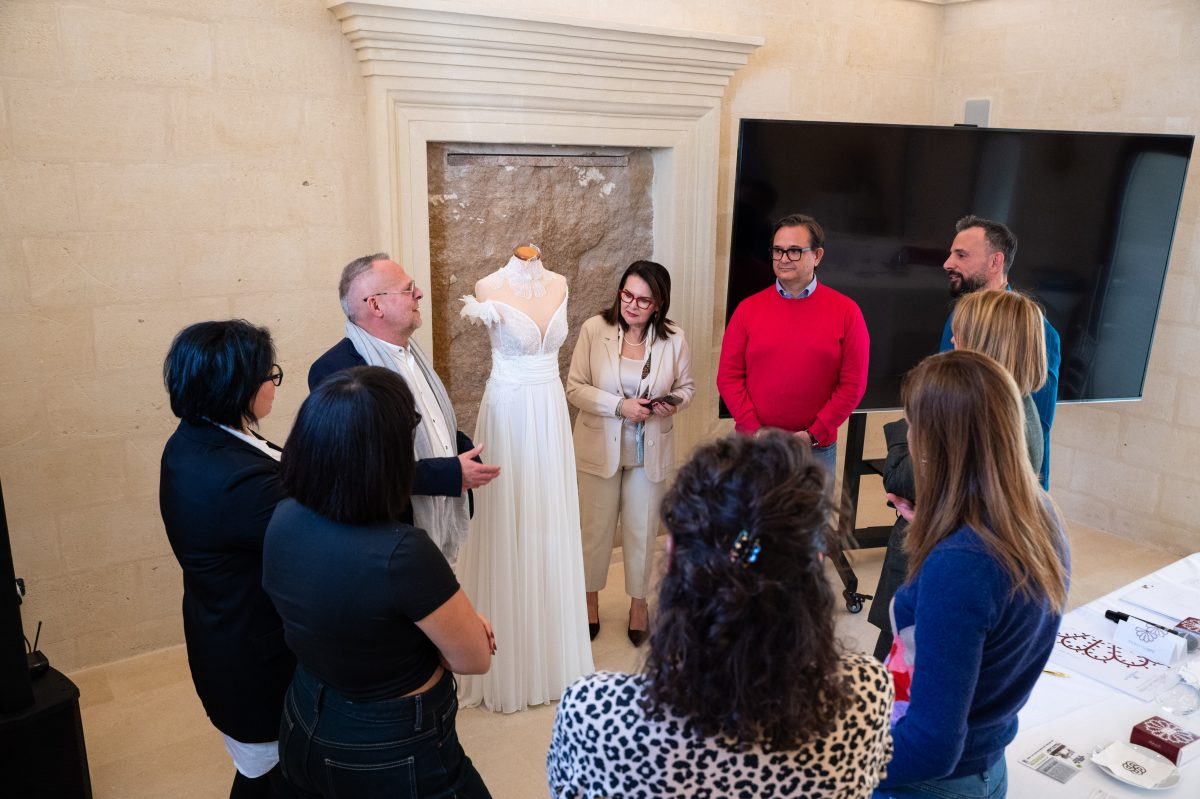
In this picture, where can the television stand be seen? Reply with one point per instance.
(853, 468)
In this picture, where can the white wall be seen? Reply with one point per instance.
(161, 162)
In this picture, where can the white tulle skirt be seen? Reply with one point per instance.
(522, 565)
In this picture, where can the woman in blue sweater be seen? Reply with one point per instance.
(987, 581)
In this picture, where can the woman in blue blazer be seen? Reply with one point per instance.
(219, 486)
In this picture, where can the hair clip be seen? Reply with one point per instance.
(745, 549)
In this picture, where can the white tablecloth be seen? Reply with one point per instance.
(1083, 713)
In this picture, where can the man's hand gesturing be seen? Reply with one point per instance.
(475, 474)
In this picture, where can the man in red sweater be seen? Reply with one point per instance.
(795, 354)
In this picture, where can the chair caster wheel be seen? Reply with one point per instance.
(854, 606)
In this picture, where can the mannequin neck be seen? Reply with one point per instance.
(526, 278)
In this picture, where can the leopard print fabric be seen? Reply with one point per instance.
(603, 745)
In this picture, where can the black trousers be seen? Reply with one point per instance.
(891, 577)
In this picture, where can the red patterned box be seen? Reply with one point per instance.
(1167, 738)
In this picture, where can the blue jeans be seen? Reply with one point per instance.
(989, 784)
(404, 747)
(827, 457)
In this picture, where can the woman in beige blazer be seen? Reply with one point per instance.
(629, 375)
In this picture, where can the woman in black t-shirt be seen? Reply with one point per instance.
(369, 605)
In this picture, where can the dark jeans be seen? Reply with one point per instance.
(405, 747)
(989, 784)
(271, 785)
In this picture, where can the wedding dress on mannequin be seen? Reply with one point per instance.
(522, 565)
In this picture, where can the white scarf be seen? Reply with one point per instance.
(446, 519)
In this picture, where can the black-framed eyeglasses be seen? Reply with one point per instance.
(641, 302)
(276, 374)
(412, 289)
(792, 253)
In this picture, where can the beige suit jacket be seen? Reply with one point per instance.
(594, 387)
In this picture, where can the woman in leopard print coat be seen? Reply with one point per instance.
(745, 692)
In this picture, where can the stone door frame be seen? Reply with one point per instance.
(437, 72)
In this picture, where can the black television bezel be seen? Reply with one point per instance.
(969, 130)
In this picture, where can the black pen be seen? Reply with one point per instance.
(1118, 616)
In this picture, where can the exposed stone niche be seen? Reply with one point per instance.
(589, 209)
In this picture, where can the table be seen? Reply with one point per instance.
(1083, 713)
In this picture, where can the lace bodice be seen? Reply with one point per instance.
(512, 331)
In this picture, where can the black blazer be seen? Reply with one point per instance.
(216, 494)
(433, 476)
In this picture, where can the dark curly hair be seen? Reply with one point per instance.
(743, 646)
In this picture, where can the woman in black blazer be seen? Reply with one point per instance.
(219, 486)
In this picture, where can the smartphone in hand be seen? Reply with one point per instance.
(669, 399)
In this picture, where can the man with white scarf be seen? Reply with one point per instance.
(382, 306)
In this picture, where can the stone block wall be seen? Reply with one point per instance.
(161, 162)
(166, 161)
(590, 221)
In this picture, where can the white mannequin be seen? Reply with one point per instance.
(522, 565)
(526, 284)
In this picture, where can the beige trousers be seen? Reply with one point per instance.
(629, 495)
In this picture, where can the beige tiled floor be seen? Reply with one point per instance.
(147, 735)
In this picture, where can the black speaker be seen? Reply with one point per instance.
(41, 743)
(42, 754)
(16, 691)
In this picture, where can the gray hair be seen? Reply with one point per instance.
(351, 272)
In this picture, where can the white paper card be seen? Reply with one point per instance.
(1133, 765)
(1149, 640)
(1056, 761)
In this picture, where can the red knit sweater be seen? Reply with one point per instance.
(794, 364)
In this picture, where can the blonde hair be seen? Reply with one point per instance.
(971, 468)
(1009, 327)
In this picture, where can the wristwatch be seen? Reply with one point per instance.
(617, 412)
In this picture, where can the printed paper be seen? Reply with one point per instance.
(1102, 660)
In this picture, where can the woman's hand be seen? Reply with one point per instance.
(465, 645)
(487, 628)
(903, 506)
(635, 410)
(664, 409)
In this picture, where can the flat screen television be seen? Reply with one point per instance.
(1094, 214)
